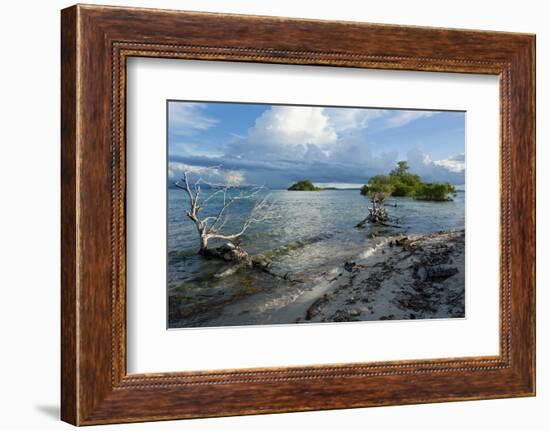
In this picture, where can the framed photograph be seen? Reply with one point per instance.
(253, 241)
(264, 215)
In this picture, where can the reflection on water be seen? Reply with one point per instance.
(312, 231)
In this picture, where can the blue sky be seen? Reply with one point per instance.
(276, 145)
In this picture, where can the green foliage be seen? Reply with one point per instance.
(402, 168)
(435, 191)
(405, 183)
(304, 185)
(401, 182)
(379, 184)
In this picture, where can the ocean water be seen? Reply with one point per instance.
(308, 232)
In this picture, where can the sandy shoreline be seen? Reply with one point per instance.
(414, 277)
(404, 277)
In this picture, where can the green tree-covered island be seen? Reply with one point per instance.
(401, 182)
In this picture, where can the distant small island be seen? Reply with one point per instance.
(305, 186)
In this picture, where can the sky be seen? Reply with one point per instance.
(276, 145)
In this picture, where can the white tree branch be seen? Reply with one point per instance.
(210, 227)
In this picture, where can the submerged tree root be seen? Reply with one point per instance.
(241, 259)
(261, 265)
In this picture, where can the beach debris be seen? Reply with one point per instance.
(428, 295)
(345, 315)
(265, 267)
(315, 308)
(350, 266)
(422, 273)
(440, 273)
(229, 252)
(351, 300)
(402, 241)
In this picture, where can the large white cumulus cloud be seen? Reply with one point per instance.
(308, 133)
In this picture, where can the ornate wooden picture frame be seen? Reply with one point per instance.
(96, 41)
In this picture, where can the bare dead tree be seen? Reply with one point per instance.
(377, 211)
(226, 194)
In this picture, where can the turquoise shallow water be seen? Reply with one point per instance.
(311, 230)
